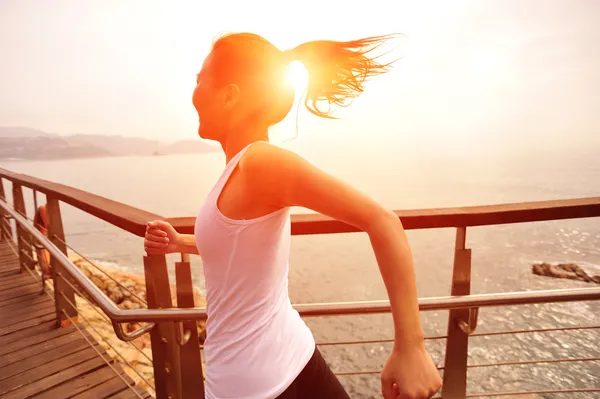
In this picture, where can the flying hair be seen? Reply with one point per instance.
(337, 70)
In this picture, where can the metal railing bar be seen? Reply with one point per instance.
(544, 392)
(102, 315)
(365, 372)
(108, 343)
(29, 257)
(539, 361)
(373, 341)
(13, 247)
(492, 333)
(38, 278)
(7, 232)
(453, 302)
(85, 258)
(100, 270)
(108, 363)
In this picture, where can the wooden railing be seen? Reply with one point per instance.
(175, 346)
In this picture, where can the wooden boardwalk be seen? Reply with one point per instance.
(40, 360)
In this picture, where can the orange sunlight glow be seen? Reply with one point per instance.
(297, 75)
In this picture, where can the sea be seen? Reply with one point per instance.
(342, 267)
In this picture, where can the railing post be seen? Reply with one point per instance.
(457, 344)
(5, 230)
(163, 337)
(191, 362)
(35, 201)
(23, 238)
(56, 234)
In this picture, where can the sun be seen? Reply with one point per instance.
(297, 76)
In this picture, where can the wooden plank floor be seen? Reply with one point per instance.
(40, 360)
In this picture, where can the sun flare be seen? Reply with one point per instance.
(297, 76)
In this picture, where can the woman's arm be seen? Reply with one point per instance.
(285, 179)
(186, 243)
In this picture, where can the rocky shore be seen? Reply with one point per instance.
(128, 292)
(568, 271)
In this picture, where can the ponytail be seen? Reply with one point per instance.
(337, 71)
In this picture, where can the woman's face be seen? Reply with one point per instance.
(215, 105)
(206, 103)
(222, 106)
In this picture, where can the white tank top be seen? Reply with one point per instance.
(256, 343)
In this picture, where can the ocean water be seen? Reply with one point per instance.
(342, 267)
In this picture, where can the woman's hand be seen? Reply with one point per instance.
(410, 373)
(161, 238)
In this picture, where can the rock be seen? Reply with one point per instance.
(569, 271)
(98, 282)
(126, 304)
(128, 283)
(115, 294)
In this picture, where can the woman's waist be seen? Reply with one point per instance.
(275, 344)
(262, 369)
(238, 330)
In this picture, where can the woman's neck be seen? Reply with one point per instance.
(239, 140)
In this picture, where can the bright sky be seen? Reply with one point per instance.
(488, 71)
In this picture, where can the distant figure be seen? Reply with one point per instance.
(257, 346)
(40, 222)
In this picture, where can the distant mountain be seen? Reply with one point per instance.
(119, 145)
(39, 148)
(28, 143)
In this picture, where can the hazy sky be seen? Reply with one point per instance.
(485, 71)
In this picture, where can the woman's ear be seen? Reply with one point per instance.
(232, 95)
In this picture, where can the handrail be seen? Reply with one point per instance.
(304, 224)
(128, 218)
(118, 315)
(134, 220)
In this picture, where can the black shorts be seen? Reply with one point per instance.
(315, 381)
